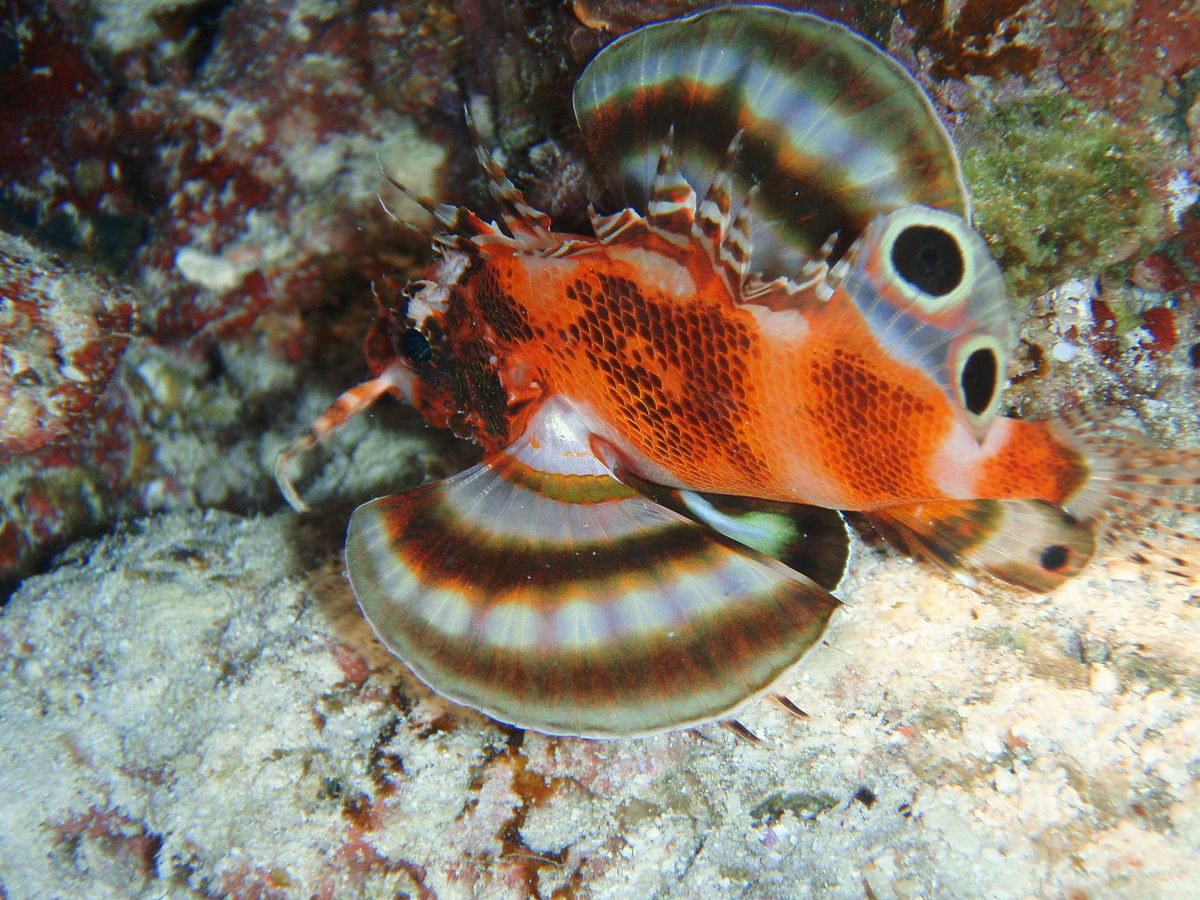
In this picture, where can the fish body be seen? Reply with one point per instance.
(787, 396)
(673, 407)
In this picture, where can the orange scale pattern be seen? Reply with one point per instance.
(674, 376)
(1033, 464)
(877, 433)
(680, 379)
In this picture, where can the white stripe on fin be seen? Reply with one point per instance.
(712, 221)
(736, 248)
(672, 207)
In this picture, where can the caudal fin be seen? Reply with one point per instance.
(1135, 491)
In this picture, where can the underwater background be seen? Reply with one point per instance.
(191, 704)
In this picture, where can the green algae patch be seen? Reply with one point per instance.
(805, 806)
(1061, 188)
(1006, 637)
(935, 717)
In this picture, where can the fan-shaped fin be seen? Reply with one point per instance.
(539, 589)
(836, 127)
(1027, 543)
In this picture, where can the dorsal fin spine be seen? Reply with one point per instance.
(461, 222)
(529, 227)
(672, 209)
(712, 222)
(735, 250)
(607, 228)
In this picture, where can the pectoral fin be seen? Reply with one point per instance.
(540, 590)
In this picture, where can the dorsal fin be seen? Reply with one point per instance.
(529, 227)
(736, 249)
(933, 296)
(836, 126)
(608, 228)
(461, 222)
(712, 218)
(672, 209)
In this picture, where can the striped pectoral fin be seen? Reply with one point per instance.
(570, 604)
(1027, 543)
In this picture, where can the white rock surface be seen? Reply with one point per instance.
(193, 707)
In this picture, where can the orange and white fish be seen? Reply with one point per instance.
(672, 411)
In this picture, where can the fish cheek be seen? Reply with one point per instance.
(460, 378)
(498, 306)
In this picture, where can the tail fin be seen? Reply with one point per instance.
(1135, 491)
(1132, 493)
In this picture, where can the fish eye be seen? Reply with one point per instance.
(978, 380)
(415, 346)
(928, 258)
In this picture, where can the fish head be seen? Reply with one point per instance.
(436, 334)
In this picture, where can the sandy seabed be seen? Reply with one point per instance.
(190, 708)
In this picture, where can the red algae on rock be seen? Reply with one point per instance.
(219, 164)
(62, 334)
(977, 37)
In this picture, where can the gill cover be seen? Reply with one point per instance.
(933, 295)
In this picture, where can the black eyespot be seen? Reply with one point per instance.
(978, 380)
(1054, 557)
(929, 259)
(415, 346)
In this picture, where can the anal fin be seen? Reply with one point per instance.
(1027, 543)
(540, 590)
